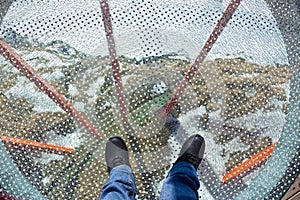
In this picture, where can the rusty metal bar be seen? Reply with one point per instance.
(213, 37)
(249, 163)
(38, 146)
(44, 86)
(114, 62)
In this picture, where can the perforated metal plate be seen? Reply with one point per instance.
(74, 73)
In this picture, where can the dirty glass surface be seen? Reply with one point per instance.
(74, 73)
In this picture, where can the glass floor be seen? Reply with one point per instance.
(74, 73)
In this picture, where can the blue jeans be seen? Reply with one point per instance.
(182, 183)
(121, 184)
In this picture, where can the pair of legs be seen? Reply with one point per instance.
(181, 183)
